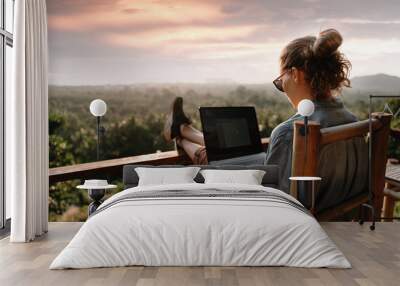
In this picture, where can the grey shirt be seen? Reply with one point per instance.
(338, 162)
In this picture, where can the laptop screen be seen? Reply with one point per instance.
(230, 132)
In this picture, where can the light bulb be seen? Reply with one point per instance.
(98, 107)
(306, 107)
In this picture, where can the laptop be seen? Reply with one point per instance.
(231, 136)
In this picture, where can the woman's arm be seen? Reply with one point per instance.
(280, 153)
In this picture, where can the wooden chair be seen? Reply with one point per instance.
(303, 165)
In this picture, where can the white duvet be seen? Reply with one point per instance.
(200, 231)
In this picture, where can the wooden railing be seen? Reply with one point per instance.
(114, 167)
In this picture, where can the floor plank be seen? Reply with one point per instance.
(375, 257)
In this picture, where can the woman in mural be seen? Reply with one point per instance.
(310, 68)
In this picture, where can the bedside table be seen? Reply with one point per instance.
(308, 184)
(96, 191)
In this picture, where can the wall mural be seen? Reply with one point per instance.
(139, 55)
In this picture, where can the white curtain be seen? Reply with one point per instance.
(27, 124)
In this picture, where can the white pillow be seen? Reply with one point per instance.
(248, 177)
(165, 176)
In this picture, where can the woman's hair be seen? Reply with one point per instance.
(324, 66)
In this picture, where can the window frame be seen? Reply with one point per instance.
(6, 39)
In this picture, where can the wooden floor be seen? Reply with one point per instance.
(375, 257)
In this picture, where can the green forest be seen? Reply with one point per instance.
(135, 119)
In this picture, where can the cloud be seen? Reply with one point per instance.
(358, 21)
(232, 37)
(132, 11)
(176, 36)
(370, 48)
(232, 8)
(134, 14)
(72, 7)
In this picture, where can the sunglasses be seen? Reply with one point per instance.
(278, 82)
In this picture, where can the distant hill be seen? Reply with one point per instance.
(361, 87)
(376, 84)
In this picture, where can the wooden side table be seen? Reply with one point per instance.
(391, 191)
(308, 184)
(96, 191)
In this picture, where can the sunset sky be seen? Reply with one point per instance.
(126, 41)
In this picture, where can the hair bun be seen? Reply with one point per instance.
(327, 43)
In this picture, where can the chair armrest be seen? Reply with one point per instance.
(393, 193)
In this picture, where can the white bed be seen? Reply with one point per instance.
(206, 230)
